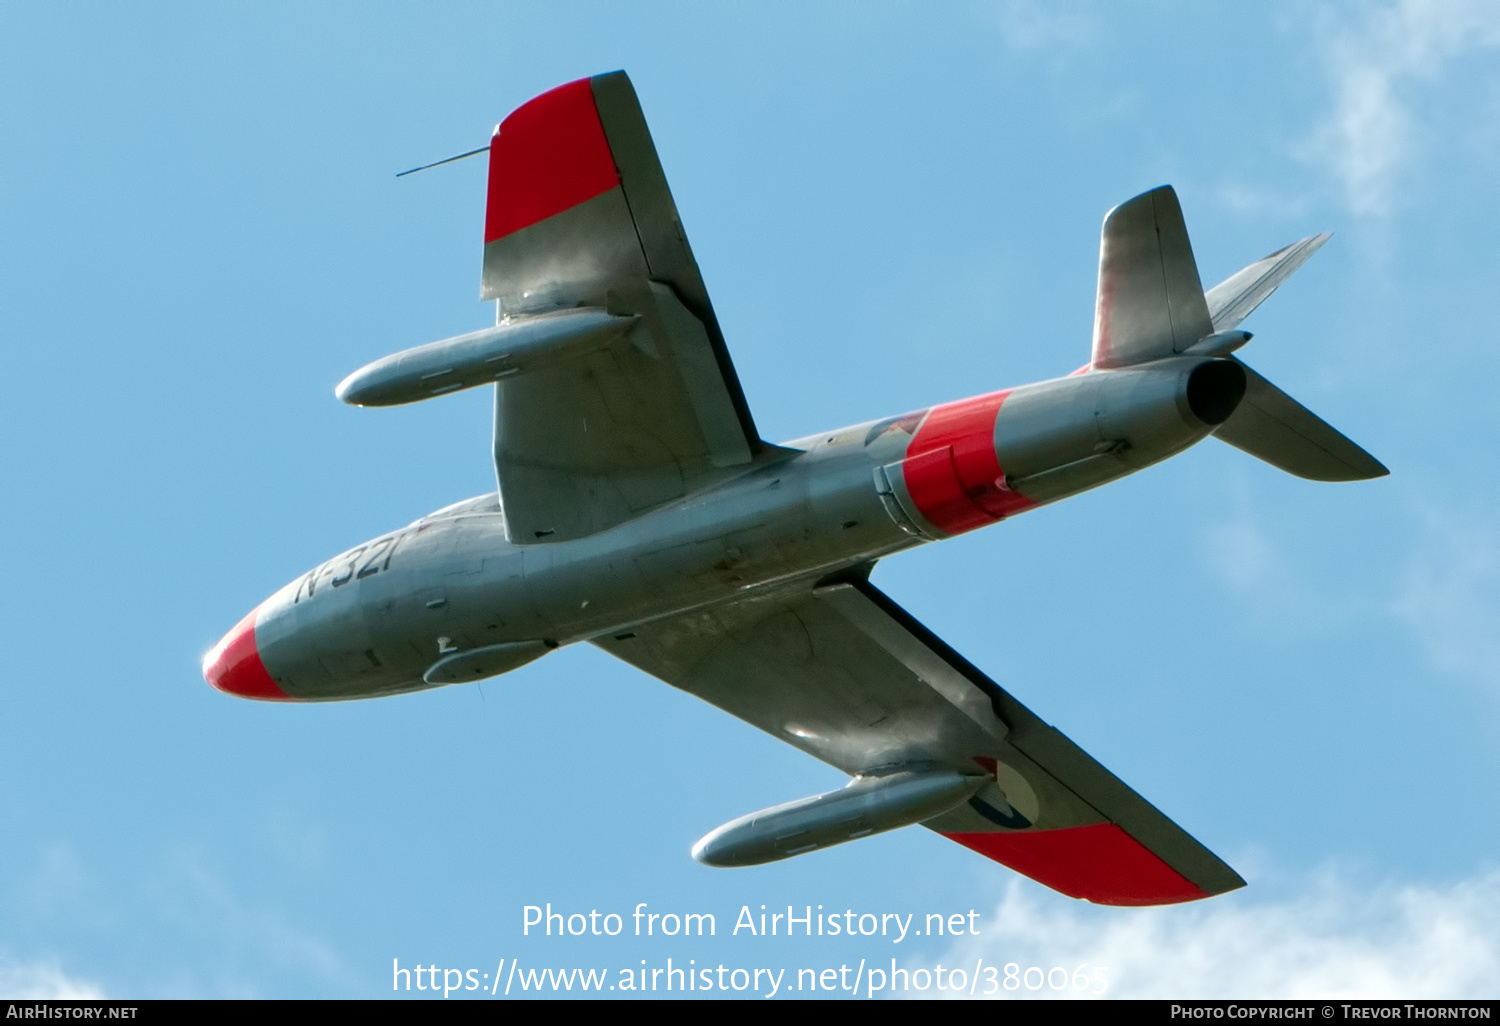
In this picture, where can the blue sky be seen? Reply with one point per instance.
(893, 205)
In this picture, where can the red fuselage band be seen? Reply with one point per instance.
(951, 469)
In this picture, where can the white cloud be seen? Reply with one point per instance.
(1243, 557)
(254, 939)
(1259, 203)
(1029, 25)
(1268, 581)
(42, 981)
(1334, 939)
(58, 883)
(1450, 598)
(1376, 63)
(215, 940)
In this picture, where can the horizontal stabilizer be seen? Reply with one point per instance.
(1231, 301)
(1271, 425)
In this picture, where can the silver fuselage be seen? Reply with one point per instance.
(375, 620)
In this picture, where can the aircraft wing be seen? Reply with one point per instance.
(579, 215)
(843, 673)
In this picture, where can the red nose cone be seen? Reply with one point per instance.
(234, 667)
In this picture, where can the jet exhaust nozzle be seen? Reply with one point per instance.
(867, 805)
(1214, 390)
(1057, 438)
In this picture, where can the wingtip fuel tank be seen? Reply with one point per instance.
(481, 357)
(865, 806)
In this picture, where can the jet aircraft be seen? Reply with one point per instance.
(638, 509)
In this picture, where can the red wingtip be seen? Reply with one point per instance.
(548, 156)
(234, 667)
(1101, 863)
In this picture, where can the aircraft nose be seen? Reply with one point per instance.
(234, 667)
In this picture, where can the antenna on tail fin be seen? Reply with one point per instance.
(445, 160)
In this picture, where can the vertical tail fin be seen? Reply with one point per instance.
(1150, 302)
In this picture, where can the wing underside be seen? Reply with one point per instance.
(846, 675)
(579, 215)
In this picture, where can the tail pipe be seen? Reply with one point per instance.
(976, 461)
